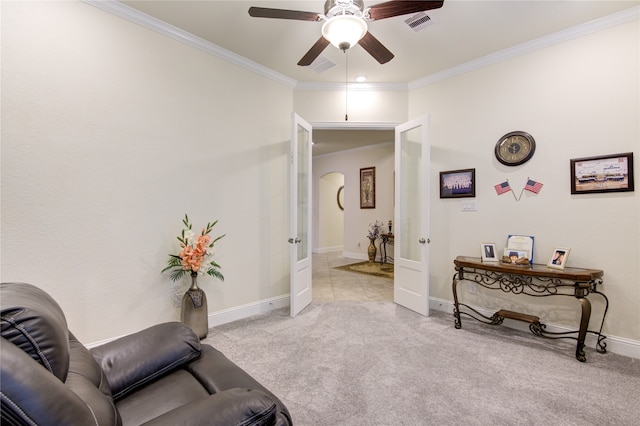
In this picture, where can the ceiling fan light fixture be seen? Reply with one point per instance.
(344, 31)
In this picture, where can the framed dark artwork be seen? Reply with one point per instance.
(368, 188)
(605, 173)
(458, 183)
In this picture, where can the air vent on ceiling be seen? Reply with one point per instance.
(321, 64)
(419, 22)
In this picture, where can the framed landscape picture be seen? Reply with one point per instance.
(605, 173)
(368, 188)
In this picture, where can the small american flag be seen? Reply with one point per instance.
(533, 186)
(503, 187)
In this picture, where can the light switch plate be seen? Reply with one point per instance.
(469, 206)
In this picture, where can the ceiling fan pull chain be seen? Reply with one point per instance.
(346, 87)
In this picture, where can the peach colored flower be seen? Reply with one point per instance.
(196, 253)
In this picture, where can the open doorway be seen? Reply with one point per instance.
(338, 156)
(377, 156)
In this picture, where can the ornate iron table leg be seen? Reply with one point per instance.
(584, 325)
(601, 346)
(456, 307)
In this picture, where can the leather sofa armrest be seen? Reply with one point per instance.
(134, 360)
(230, 407)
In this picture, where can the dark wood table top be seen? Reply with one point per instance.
(538, 270)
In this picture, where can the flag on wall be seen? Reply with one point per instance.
(503, 187)
(533, 186)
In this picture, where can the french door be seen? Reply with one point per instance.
(300, 213)
(411, 269)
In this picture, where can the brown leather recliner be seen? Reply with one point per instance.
(159, 376)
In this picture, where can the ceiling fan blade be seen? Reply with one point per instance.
(265, 12)
(375, 48)
(314, 52)
(390, 9)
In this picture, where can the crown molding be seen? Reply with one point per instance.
(577, 31)
(119, 9)
(130, 14)
(364, 87)
(354, 125)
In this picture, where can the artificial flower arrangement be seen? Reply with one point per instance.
(196, 254)
(375, 230)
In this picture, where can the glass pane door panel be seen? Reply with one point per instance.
(410, 194)
(303, 196)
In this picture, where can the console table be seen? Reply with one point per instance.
(537, 281)
(386, 239)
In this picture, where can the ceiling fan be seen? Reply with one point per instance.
(345, 24)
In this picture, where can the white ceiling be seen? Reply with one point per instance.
(462, 31)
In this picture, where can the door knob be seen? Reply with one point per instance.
(422, 241)
(298, 240)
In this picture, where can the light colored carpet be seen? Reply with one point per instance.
(376, 269)
(376, 363)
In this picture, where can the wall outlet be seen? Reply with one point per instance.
(473, 288)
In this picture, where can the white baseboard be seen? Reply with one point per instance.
(617, 345)
(322, 250)
(248, 310)
(229, 315)
(355, 255)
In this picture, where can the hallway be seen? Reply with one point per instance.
(331, 285)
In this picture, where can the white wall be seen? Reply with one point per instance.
(110, 133)
(330, 230)
(357, 220)
(328, 106)
(580, 98)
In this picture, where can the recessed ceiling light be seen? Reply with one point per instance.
(361, 79)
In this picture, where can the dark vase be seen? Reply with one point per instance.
(371, 250)
(194, 308)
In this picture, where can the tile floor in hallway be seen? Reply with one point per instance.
(331, 284)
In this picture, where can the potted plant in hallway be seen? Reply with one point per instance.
(195, 257)
(373, 235)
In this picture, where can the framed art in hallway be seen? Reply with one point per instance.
(458, 183)
(368, 188)
(605, 173)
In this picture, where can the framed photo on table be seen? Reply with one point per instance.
(489, 253)
(559, 258)
(606, 173)
(515, 254)
(521, 243)
(368, 188)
